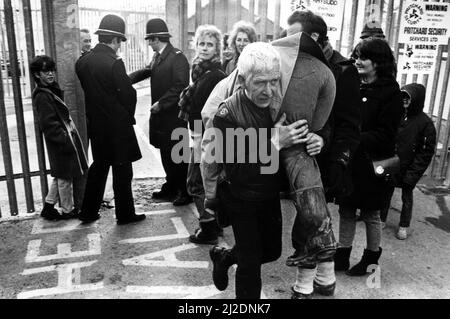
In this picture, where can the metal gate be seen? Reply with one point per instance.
(24, 173)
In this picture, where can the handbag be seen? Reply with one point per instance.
(386, 168)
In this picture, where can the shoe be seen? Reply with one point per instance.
(327, 291)
(182, 199)
(342, 258)
(369, 258)
(207, 234)
(402, 233)
(298, 295)
(74, 214)
(165, 193)
(134, 219)
(200, 238)
(49, 212)
(222, 260)
(88, 219)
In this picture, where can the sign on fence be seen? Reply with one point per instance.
(423, 26)
(330, 10)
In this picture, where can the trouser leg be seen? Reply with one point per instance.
(123, 193)
(65, 190)
(373, 229)
(79, 185)
(385, 210)
(95, 188)
(347, 225)
(312, 231)
(196, 190)
(407, 199)
(52, 195)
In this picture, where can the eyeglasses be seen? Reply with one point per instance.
(47, 73)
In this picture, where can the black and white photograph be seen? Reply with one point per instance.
(224, 155)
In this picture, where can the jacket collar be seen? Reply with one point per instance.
(166, 51)
(103, 48)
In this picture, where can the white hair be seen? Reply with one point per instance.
(258, 57)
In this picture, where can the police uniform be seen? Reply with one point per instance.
(169, 73)
(110, 107)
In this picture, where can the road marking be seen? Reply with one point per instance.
(64, 250)
(67, 282)
(170, 260)
(187, 292)
(161, 212)
(182, 233)
(67, 226)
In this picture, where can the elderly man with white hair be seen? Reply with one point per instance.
(251, 193)
(307, 91)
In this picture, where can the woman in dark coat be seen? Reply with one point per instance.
(64, 147)
(206, 73)
(381, 108)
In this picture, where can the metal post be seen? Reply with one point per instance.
(239, 10)
(403, 81)
(212, 11)
(38, 133)
(397, 33)
(389, 19)
(48, 28)
(262, 13)
(251, 11)
(276, 25)
(339, 44)
(442, 104)
(6, 152)
(439, 118)
(18, 104)
(414, 79)
(437, 71)
(3, 48)
(351, 34)
(198, 13)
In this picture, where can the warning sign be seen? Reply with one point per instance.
(425, 22)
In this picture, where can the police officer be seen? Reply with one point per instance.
(110, 107)
(169, 73)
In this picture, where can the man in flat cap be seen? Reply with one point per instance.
(169, 75)
(110, 107)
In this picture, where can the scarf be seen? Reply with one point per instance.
(199, 69)
(328, 50)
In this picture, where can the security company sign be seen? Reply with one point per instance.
(425, 22)
(330, 10)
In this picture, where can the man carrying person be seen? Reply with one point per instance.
(308, 93)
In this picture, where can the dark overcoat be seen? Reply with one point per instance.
(381, 112)
(110, 106)
(169, 76)
(342, 132)
(64, 147)
(416, 139)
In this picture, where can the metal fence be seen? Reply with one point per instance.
(24, 173)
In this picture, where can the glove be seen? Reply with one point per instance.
(336, 174)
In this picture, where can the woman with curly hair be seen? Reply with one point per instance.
(242, 34)
(206, 73)
(381, 111)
